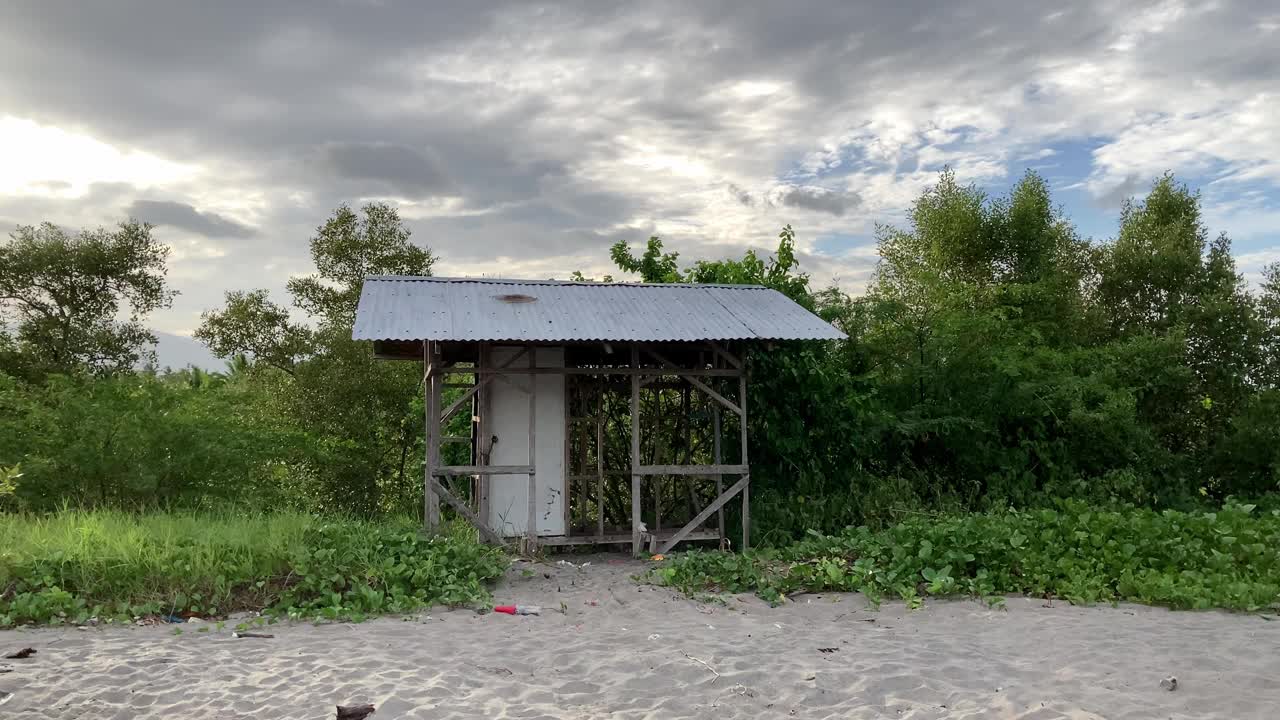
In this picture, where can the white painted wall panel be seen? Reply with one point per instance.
(508, 494)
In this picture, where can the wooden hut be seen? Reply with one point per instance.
(536, 364)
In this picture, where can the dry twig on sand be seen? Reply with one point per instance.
(703, 663)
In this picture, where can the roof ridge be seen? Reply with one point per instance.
(582, 283)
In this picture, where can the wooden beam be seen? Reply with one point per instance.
(617, 538)
(600, 461)
(431, 388)
(484, 437)
(746, 490)
(674, 370)
(707, 470)
(735, 362)
(701, 517)
(699, 372)
(714, 395)
(462, 509)
(485, 380)
(635, 452)
(483, 469)
(466, 397)
(715, 422)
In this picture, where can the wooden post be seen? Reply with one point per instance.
(746, 488)
(715, 444)
(531, 528)
(600, 459)
(635, 452)
(567, 473)
(431, 393)
(484, 436)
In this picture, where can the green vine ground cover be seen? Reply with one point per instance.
(1226, 559)
(74, 565)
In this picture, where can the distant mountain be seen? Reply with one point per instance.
(178, 351)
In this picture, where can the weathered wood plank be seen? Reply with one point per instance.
(719, 478)
(600, 463)
(618, 538)
(725, 354)
(701, 517)
(462, 509)
(746, 491)
(431, 382)
(464, 398)
(635, 452)
(699, 372)
(707, 470)
(483, 469)
(674, 370)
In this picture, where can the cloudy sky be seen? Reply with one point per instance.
(522, 139)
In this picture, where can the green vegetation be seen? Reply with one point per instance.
(1226, 559)
(997, 360)
(1000, 359)
(75, 565)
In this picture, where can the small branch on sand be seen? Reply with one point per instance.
(703, 663)
(251, 635)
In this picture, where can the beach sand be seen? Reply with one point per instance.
(619, 650)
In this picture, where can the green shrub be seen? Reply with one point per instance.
(1227, 559)
(75, 565)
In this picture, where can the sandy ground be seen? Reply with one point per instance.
(619, 650)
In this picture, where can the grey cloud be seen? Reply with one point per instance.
(1113, 197)
(408, 170)
(186, 217)
(739, 194)
(820, 199)
(513, 108)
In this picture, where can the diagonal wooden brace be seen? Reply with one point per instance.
(671, 368)
(707, 512)
(466, 396)
(462, 509)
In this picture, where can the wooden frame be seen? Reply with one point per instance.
(723, 364)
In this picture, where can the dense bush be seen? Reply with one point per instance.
(71, 566)
(997, 358)
(1227, 559)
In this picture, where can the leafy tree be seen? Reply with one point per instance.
(364, 416)
(250, 325)
(62, 296)
(654, 266)
(1269, 317)
(141, 440)
(350, 247)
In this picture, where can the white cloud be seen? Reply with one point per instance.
(44, 160)
(529, 138)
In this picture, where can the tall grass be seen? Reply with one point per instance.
(77, 564)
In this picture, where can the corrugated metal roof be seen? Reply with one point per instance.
(396, 307)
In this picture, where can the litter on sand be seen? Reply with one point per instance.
(518, 609)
